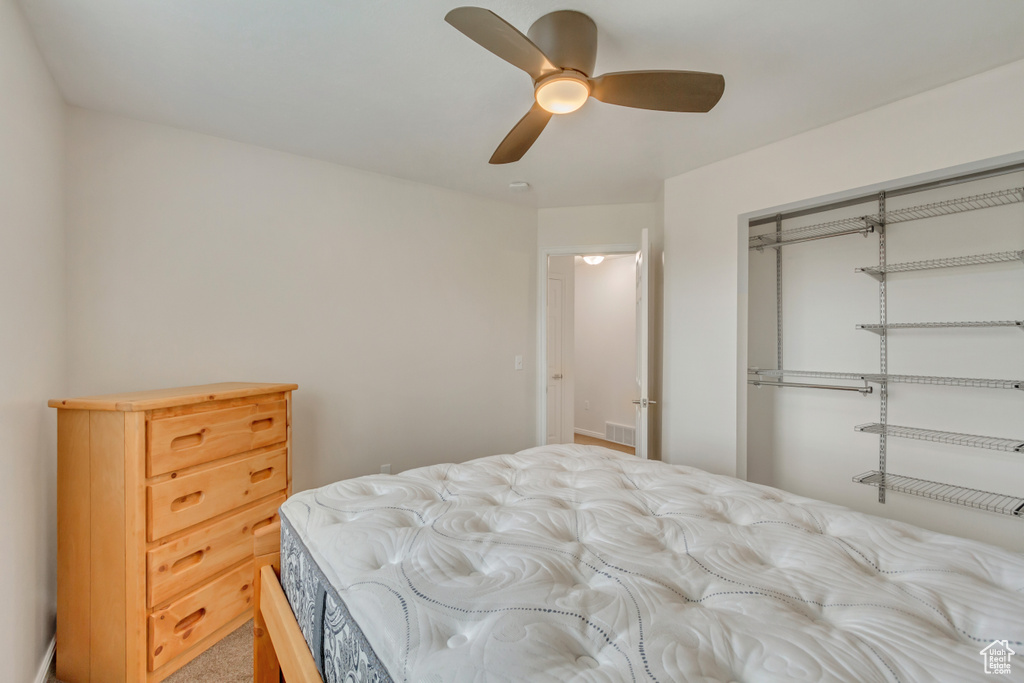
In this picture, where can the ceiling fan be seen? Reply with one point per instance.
(559, 54)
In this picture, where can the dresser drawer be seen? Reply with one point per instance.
(185, 563)
(177, 442)
(179, 503)
(186, 622)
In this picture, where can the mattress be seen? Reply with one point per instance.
(578, 563)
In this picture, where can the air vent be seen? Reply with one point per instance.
(623, 434)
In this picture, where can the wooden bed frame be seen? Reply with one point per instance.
(279, 652)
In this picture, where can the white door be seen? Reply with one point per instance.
(555, 296)
(643, 402)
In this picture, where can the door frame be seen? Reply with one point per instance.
(542, 316)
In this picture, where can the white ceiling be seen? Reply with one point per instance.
(388, 86)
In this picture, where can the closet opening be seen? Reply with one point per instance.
(883, 349)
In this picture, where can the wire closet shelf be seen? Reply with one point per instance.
(867, 224)
(947, 493)
(976, 382)
(991, 443)
(877, 328)
(953, 262)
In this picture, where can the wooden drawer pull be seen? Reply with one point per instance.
(190, 621)
(188, 441)
(260, 425)
(261, 475)
(263, 522)
(188, 562)
(186, 501)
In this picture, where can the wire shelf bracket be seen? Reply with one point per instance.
(883, 345)
(948, 493)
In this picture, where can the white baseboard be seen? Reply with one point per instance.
(587, 432)
(44, 668)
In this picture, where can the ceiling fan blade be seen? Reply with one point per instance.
(522, 136)
(497, 35)
(692, 91)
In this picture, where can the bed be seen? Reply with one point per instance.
(580, 563)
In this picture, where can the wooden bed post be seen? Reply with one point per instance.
(279, 652)
(267, 549)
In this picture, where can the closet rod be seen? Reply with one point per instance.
(771, 245)
(759, 383)
(895, 192)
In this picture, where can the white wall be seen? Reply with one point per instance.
(32, 342)
(605, 333)
(596, 225)
(397, 307)
(965, 122)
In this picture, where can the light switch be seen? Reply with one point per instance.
(519, 362)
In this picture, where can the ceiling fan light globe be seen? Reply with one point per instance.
(562, 94)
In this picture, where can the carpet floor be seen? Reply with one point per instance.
(229, 661)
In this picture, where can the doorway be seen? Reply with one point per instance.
(590, 360)
(604, 348)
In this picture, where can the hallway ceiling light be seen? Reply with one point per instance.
(593, 260)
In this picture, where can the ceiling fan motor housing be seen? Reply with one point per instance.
(568, 38)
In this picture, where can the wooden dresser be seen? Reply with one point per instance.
(158, 494)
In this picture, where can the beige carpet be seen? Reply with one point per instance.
(229, 661)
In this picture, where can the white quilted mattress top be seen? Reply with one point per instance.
(573, 563)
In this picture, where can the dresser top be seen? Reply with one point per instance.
(165, 398)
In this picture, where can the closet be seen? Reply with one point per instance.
(886, 348)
